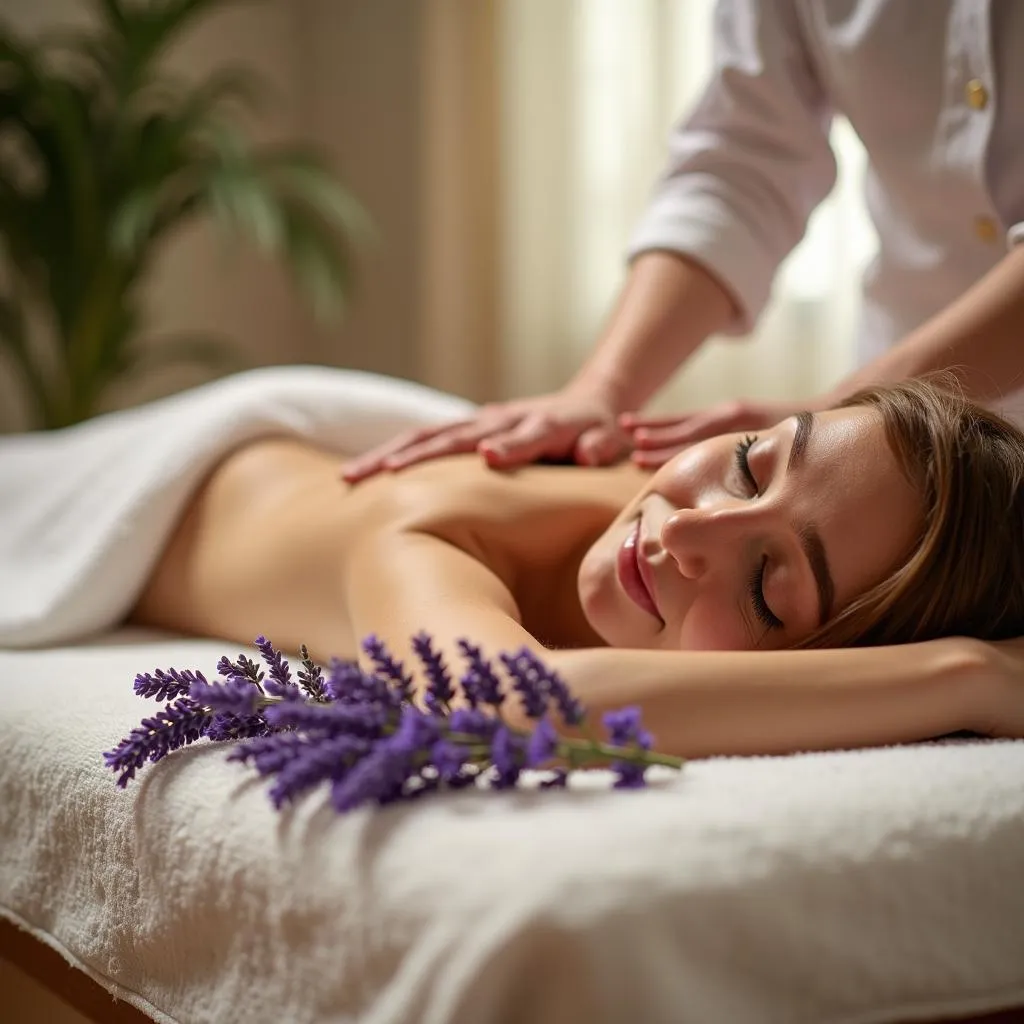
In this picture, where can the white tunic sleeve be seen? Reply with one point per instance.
(751, 162)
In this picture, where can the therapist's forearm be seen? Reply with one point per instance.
(978, 337)
(668, 306)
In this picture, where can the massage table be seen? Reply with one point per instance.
(847, 887)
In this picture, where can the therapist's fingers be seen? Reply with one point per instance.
(654, 457)
(373, 461)
(681, 431)
(454, 441)
(536, 436)
(631, 420)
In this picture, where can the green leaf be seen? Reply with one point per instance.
(317, 260)
(246, 203)
(302, 174)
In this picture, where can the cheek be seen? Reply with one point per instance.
(713, 623)
(682, 479)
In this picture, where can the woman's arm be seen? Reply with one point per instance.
(399, 583)
(778, 702)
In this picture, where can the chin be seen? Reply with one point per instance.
(605, 611)
(595, 589)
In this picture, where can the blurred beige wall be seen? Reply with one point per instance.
(350, 76)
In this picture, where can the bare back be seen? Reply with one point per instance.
(269, 542)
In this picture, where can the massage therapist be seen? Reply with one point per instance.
(935, 90)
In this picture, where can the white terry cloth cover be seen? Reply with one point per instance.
(837, 888)
(85, 512)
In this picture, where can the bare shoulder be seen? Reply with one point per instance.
(463, 487)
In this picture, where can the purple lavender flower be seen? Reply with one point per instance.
(365, 720)
(269, 754)
(448, 758)
(377, 777)
(547, 681)
(232, 696)
(233, 727)
(416, 730)
(388, 667)
(625, 729)
(480, 683)
(166, 685)
(311, 677)
(527, 682)
(347, 683)
(542, 745)
(180, 722)
(323, 760)
(360, 732)
(243, 668)
(439, 680)
(569, 707)
(473, 722)
(279, 676)
(381, 776)
(508, 756)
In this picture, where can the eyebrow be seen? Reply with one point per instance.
(810, 539)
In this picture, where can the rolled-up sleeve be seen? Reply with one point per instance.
(750, 163)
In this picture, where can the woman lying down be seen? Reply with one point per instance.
(838, 580)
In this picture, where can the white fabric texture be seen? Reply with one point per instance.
(85, 512)
(833, 888)
(935, 92)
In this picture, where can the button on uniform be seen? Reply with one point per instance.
(976, 93)
(986, 229)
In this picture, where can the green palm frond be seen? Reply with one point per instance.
(105, 156)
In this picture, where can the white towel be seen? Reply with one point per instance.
(85, 512)
(854, 887)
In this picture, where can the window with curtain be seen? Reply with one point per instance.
(589, 90)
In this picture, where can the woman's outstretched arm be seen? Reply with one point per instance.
(776, 702)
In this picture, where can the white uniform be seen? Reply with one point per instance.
(934, 89)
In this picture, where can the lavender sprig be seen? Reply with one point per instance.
(362, 734)
(180, 722)
(166, 684)
(279, 677)
(311, 677)
(387, 667)
(439, 680)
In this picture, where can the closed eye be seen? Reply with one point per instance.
(743, 462)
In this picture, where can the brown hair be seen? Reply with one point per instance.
(965, 574)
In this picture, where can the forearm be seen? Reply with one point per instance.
(707, 704)
(668, 306)
(977, 337)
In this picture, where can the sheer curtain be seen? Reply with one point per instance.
(589, 90)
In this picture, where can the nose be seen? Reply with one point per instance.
(698, 538)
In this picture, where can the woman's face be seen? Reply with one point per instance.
(753, 541)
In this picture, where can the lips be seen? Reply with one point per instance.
(630, 568)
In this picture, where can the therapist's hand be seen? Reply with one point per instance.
(657, 438)
(567, 425)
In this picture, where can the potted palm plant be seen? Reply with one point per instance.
(103, 155)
